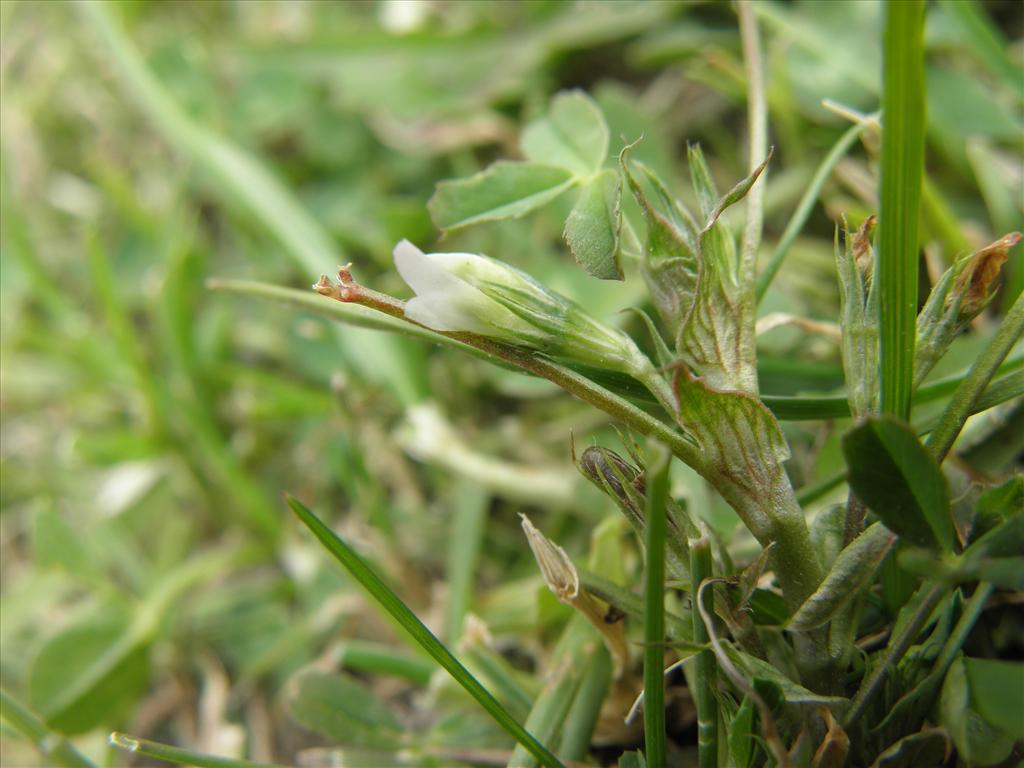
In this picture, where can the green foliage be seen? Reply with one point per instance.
(79, 659)
(338, 707)
(152, 580)
(978, 740)
(893, 473)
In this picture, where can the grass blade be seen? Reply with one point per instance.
(383, 594)
(788, 408)
(903, 133)
(246, 183)
(806, 205)
(971, 388)
(985, 40)
(567, 669)
(654, 609)
(51, 746)
(178, 756)
(468, 524)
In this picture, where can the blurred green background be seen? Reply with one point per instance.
(153, 581)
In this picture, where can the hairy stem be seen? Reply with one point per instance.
(757, 125)
(782, 519)
(961, 405)
(654, 608)
(705, 670)
(898, 646)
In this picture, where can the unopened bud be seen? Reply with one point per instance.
(476, 294)
(973, 287)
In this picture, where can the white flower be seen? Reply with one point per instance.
(474, 293)
(445, 301)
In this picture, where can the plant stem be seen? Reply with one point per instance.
(971, 388)
(759, 155)
(780, 518)
(705, 671)
(170, 754)
(565, 673)
(757, 125)
(806, 205)
(49, 744)
(898, 646)
(903, 128)
(654, 607)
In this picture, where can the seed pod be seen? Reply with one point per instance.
(627, 485)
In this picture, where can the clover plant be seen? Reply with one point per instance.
(810, 636)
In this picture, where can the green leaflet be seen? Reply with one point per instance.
(505, 190)
(997, 693)
(342, 709)
(742, 746)
(792, 692)
(926, 747)
(851, 571)
(592, 229)
(80, 657)
(572, 135)
(978, 741)
(899, 480)
(997, 505)
(564, 148)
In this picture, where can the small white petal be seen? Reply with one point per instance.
(445, 313)
(422, 273)
(446, 302)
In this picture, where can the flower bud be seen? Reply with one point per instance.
(627, 485)
(960, 295)
(476, 294)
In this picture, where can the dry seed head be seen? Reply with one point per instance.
(974, 283)
(560, 574)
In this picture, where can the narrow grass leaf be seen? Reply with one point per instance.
(705, 669)
(578, 645)
(985, 40)
(383, 594)
(53, 747)
(806, 205)
(470, 504)
(971, 388)
(902, 163)
(654, 607)
(176, 756)
(897, 478)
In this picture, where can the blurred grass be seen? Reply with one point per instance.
(149, 426)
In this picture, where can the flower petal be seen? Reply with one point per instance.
(445, 302)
